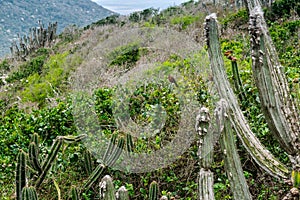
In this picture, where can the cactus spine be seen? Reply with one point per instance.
(153, 191)
(21, 174)
(29, 193)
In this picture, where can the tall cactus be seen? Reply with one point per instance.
(259, 153)
(21, 174)
(36, 38)
(205, 154)
(153, 191)
(129, 144)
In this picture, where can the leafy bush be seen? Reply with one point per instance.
(125, 55)
(184, 21)
(236, 19)
(282, 9)
(35, 65)
(41, 86)
(4, 65)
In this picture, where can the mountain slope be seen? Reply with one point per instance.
(16, 17)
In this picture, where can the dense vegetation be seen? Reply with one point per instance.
(37, 97)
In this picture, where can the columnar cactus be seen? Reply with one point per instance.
(129, 144)
(49, 160)
(153, 191)
(29, 193)
(107, 189)
(37, 38)
(74, 193)
(34, 157)
(111, 155)
(21, 174)
(87, 162)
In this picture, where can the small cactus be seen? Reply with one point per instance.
(21, 174)
(122, 194)
(153, 191)
(107, 189)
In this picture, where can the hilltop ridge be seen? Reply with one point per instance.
(16, 17)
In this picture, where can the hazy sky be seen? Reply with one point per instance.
(126, 7)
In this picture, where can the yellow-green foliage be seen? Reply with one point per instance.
(184, 21)
(39, 87)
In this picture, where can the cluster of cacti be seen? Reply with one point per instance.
(276, 102)
(110, 157)
(107, 191)
(38, 170)
(37, 38)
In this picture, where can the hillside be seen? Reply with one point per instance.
(16, 17)
(121, 96)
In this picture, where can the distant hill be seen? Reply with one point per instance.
(17, 16)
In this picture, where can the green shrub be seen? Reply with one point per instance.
(236, 19)
(184, 21)
(41, 86)
(4, 65)
(126, 55)
(35, 65)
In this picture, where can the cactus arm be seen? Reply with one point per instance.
(234, 170)
(49, 160)
(34, 157)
